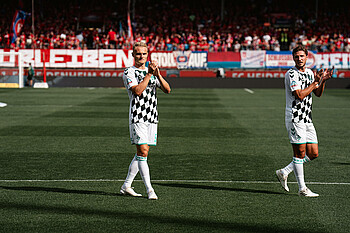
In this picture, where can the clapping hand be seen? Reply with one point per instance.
(323, 75)
(153, 68)
(319, 75)
(328, 74)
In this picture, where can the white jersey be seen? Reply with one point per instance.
(298, 110)
(142, 108)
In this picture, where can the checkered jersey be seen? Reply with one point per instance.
(298, 110)
(142, 108)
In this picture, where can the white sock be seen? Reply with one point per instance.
(144, 171)
(306, 159)
(289, 168)
(299, 172)
(133, 170)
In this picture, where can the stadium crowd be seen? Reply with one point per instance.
(182, 25)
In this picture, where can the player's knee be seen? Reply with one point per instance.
(143, 152)
(313, 156)
(300, 153)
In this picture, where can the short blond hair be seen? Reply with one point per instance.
(139, 44)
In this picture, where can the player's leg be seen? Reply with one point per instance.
(312, 142)
(142, 153)
(298, 137)
(312, 151)
(311, 154)
(152, 141)
(298, 163)
(283, 173)
(30, 80)
(294, 131)
(132, 172)
(134, 166)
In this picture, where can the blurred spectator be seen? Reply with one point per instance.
(112, 38)
(30, 76)
(80, 39)
(182, 25)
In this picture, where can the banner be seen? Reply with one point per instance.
(229, 60)
(285, 60)
(17, 24)
(180, 74)
(67, 58)
(106, 58)
(256, 74)
(252, 59)
(181, 60)
(336, 60)
(68, 73)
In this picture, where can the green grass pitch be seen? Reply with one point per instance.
(65, 153)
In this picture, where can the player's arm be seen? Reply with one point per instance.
(327, 74)
(164, 85)
(138, 89)
(301, 94)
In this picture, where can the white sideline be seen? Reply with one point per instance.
(179, 181)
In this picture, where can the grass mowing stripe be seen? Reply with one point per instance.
(204, 175)
(172, 105)
(112, 131)
(180, 181)
(64, 131)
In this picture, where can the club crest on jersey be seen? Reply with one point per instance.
(293, 84)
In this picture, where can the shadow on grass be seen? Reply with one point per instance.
(153, 221)
(209, 187)
(59, 190)
(340, 163)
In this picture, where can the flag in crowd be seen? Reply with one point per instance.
(121, 30)
(130, 35)
(17, 24)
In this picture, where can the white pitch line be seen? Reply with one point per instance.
(179, 181)
(249, 91)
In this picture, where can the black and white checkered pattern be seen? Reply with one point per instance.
(144, 107)
(301, 109)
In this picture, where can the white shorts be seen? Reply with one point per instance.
(301, 133)
(143, 133)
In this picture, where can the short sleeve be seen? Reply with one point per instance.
(129, 78)
(292, 78)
